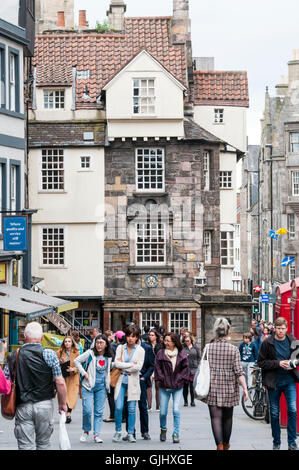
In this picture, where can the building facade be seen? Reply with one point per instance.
(279, 170)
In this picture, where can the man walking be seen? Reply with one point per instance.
(36, 369)
(279, 376)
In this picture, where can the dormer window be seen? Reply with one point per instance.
(54, 99)
(144, 96)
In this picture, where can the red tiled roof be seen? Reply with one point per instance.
(224, 88)
(104, 55)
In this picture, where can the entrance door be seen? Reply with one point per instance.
(120, 320)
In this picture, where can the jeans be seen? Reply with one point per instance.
(93, 400)
(248, 372)
(34, 422)
(119, 405)
(289, 391)
(164, 396)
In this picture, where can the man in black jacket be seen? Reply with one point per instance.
(280, 376)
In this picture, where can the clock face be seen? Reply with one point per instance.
(151, 280)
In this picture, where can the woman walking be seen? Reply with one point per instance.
(67, 354)
(154, 341)
(193, 354)
(95, 385)
(172, 372)
(226, 373)
(129, 359)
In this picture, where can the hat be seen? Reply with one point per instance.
(119, 334)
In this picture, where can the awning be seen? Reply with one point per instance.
(31, 304)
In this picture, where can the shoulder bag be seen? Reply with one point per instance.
(9, 402)
(115, 373)
(201, 382)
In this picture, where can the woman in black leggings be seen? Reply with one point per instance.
(193, 353)
(226, 373)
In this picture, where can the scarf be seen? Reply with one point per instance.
(172, 355)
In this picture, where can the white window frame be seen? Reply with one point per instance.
(52, 168)
(144, 96)
(294, 142)
(295, 183)
(151, 173)
(292, 226)
(13, 188)
(56, 245)
(57, 101)
(142, 247)
(207, 246)
(292, 270)
(12, 81)
(175, 324)
(206, 170)
(226, 179)
(228, 238)
(149, 319)
(218, 115)
(85, 162)
(3, 77)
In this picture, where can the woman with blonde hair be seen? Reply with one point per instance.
(66, 354)
(226, 373)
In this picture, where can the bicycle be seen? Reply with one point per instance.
(257, 406)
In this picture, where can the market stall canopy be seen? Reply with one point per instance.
(31, 304)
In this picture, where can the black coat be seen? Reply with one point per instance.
(269, 364)
(148, 364)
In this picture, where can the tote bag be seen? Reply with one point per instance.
(64, 442)
(9, 402)
(201, 382)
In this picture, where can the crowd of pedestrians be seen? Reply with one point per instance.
(152, 362)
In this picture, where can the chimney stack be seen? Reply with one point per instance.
(116, 15)
(60, 19)
(294, 70)
(82, 19)
(181, 23)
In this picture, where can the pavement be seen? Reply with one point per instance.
(195, 433)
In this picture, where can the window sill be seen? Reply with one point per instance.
(51, 192)
(150, 193)
(150, 269)
(56, 266)
(219, 123)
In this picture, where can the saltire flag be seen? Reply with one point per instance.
(287, 260)
(273, 234)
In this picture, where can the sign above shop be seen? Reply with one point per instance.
(15, 232)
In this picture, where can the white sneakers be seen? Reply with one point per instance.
(85, 436)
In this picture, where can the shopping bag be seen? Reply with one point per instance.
(64, 442)
(201, 384)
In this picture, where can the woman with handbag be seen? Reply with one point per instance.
(193, 354)
(226, 373)
(95, 385)
(5, 384)
(129, 360)
(66, 354)
(172, 372)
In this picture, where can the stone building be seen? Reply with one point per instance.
(113, 112)
(279, 173)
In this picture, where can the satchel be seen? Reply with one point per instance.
(9, 402)
(115, 373)
(201, 382)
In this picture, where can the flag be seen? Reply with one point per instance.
(282, 231)
(287, 260)
(273, 234)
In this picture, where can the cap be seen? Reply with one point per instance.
(119, 334)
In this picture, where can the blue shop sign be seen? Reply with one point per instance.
(15, 232)
(265, 298)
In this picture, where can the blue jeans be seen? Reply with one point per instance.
(164, 396)
(93, 400)
(289, 391)
(119, 405)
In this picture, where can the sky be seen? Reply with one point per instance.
(257, 36)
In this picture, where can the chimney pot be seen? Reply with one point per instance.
(82, 18)
(60, 19)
